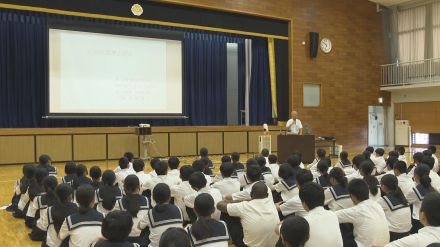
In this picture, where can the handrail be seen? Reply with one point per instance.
(408, 73)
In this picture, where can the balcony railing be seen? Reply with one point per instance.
(400, 74)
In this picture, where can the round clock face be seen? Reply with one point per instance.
(326, 45)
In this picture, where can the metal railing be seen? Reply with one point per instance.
(399, 74)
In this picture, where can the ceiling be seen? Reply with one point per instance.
(391, 2)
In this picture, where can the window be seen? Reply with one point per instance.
(411, 34)
(436, 30)
(311, 95)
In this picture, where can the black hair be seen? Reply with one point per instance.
(323, 167)
(49, 184)
(367, 155)
(131, 187)
(357, 160)
(321, 153)
(153, 162)
(251, 161)
(129, 156)
(265, 152)
(285, 171)
(390, 181)
(197, 180)
(227, 169)
(123, 163)
(36, 184)
(198, 166)
(299, 154)
(295, 230)
(430, 206)
(418, 157)
(393, 153)
(369, 149)
(226, 159)
(203, 207)
(253, 173)
(429, 161)
(138, 165)
(432, 148)
(185, 172)
(339, 175)
(70, 168)
(203, 152)
(116, 226)
(272, 159)
(107, 191)
(81, 170)
(95, 172)
(422, 171)
(427, 152)
(400, 166)
(359, 189)
(379, 151)
(343, 156)
(366, 169)
(44, 160)
(312, 194)
(173, 162)
(28, 174)
(174, 237)
(261, 161)
(303, 177)
(61, 209)
(162, 193)
(161, 168)
(235, 157)
(401, 150)
(391, 161)
(294, 160)
(85, 196)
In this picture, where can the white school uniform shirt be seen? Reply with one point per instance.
(426, 236)
(435, 180)
(174, 176)
(151, 183)
(435, 168)
(314, 166)
(258, 218)
(143, 178)
(402, 158)
(336, 200)
(24, 200)
(355, 175)
(17, 190)
(82, 234)
(293, 206)
(405, 183)
(274, 168)
(295, 126)
(227, 186)
(52, 239)
(328, 233)
(179, 191)
(118, 168)
(143, 210)
(411, 172)
(398, 215)
(121, 175)
(369, 221)
(269, 179)
(33, 207)
(245, 194)
(215, 193)
(379, 177)
(415, 197)
(219, 238)
(288, 189)
(380, 164)
(98, 201)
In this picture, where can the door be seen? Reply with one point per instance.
(376, 126)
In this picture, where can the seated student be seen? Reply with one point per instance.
(312, 198)
(243, 179)
(44, 161)
(369, 149)
(197, 181)
(433, 150)
(430, 218)
(265, 154)
(162, 216)
(218, 177)
(238, 167)
(123, 172)
(95, 174)
(366, 169)
(294, 205)
(115, 229)
(367, 155)
(153, 163)
(39, 206)
(161, 170)
(199, 166)
(405, 181)
(70, 171)
(322, 168)
(81, 176)
(294, 231)
(299, 156)
(337, 196)
(344, 162)
(108, 194)
(274, 166)
(138, 167)
(367, 216)
(320, 154)
(401, 151)
(416, 195)
(435, 179)
(179, 191)
(130, 158)
(206, 231)
(393, 153)
(226, 159)
(174, 237)
(82, 228)
(137, 206)
(417, 158)
(55, 215)
(389, 167)
(23, 201)
(227, 185)
(379, 160)
(36, 188)
(204, 157)
(396, 207)
(252, 213)
(356, 161)
(252, 176)
(27, 171)
(294, 161)
(266, 172)
(287, 183)
(173, 172)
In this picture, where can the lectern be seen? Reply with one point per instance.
(144, 131)
(305, 144)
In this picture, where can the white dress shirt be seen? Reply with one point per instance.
(121, 175)
(398, 216)
(426, 236)
(402, 158)
(435, 180)
(293, 206)
(380, 164)
(179, 191)
(143, 178)
(369, 221)
(435, 168)
(405, 183)
(294, 126)
(354, 175)
(227, 186)
(274, 168)
(287, 191)
(328, 233)
(336, 202)
(215, 193)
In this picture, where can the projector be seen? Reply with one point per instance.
(144, 125)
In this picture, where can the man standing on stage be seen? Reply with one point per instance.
(294, 125)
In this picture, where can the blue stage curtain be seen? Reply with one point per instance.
(260, 104)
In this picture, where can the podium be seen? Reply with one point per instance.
(144, 132)
(305, 144)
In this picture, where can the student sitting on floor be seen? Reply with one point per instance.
(356, 161)
(206, 231)
(433, 150)
(174, 172)
(366, 169)
(417, 158)
(28, 173)
(274, 166)
(176, 237)
(70, 171)
(238, 167)
(108, 194)
(162, 216)
(199, 166)
(294, 231)
(287, 183)
(379, 160)
(161, 170)
(405, 181)
(389, 165)
(435, 178)
(243, 179)
(344, 162)
(227, 185)
(81, 176)
(82, 228)
(266, 172)
(252, 176)
(337, 196)
(203, 152)
(153, 163)
(130, 158)
(115, 229)
(179, 191)
(219, 177)
(138, 167)
(23, 201)
(36, 188)
(95, 174)
(123, 172)
(322, 168)
(44, 161)
(320, 154)
(401, 151)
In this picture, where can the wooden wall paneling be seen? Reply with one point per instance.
(213, 141)
(159, 148)
(118, 144)
(17, 149)
(253, 141)
(89, 147)
(274, 140)
(235, 142)
(422, 116)
(183, 144)
(58, 147)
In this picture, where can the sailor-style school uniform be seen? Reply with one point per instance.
(83, 229)
(159, 219)
(178, 192)
(47, 222)
(219, 236)
(314, 165)
(117, 192)
(39, 206)
(337, 198)
(415, 197)
(22, 205)
(107, 243)
(33, 212)
(323, 181)
(287, 188)
(68, 179)
(244, 180)
(398, 215)
(341, 164)
(269, 179)
(136, 235)
(227, 186)
(215, 194)
(16, 197)
(238, 169)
